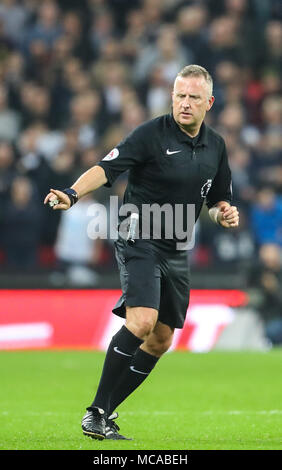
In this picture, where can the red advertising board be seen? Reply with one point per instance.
(83, 318)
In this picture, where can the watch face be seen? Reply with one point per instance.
(73, 196)
(70, 191)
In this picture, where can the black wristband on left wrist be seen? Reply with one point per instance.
(72, 194)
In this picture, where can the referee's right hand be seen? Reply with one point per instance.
(62, 198)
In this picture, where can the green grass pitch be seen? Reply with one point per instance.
(218, 400)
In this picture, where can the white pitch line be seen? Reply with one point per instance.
(244, 412)
(155, 413)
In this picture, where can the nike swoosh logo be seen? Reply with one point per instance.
(138, 371)
(116, 349)
(168, 152)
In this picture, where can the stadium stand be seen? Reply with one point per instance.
(76, 77)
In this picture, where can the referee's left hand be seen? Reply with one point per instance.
(228, 216)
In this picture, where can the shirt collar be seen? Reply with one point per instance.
(182, 137)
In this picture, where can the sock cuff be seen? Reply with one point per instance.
(144, 361)
(126, 340)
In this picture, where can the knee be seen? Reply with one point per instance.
(141, 321)
(141, 329)
(157, 346)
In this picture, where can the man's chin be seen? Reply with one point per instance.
(186, 120)
(186, 123)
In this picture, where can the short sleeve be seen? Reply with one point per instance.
(221, 188)
(127, 154)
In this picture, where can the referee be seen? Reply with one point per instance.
(174, 159)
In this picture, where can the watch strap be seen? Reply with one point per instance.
(72, 194)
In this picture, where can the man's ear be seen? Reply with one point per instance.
(210, 103)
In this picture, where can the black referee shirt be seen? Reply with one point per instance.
(166, 166)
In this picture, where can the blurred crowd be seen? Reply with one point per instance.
(77, 77)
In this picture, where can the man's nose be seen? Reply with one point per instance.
(186, 104)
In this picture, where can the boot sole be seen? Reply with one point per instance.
(94, 435)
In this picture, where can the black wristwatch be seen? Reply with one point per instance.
(72, 194)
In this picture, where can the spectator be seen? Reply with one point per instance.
(80, 82)
(13, 78)
(47, 28)
(242, 12)
(267, 278)
(113, 85)
(6, 44)
(39, 107)
(266, 217)
(102, 29)
(272, 54)
(9, 119)
(73, 28)
(67, 72)
(71, 142)
(84, 111)
(7, 170)
(135, 36)
(267, 164)
(232, 118)
(157, 100)
(242, 181)
(7, 175)
(272, 113)
(14, 17)
(76, 252)
(32, 164)
(62, 51)
(167, 52)
(133, 115)
(227, 74)
(192, 27)
(224, 43)
(21, 225)
(153, 11)
(30, 159)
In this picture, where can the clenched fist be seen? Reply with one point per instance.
(228, 216)
(57, 200)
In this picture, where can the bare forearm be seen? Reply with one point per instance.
(89, 181)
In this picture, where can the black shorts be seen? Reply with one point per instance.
(152, 277)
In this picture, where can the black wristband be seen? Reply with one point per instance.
(72, 194)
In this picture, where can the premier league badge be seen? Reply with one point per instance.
(205, 188)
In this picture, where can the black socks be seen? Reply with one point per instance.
(118, 357)
(135, 373)
(126, 366)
